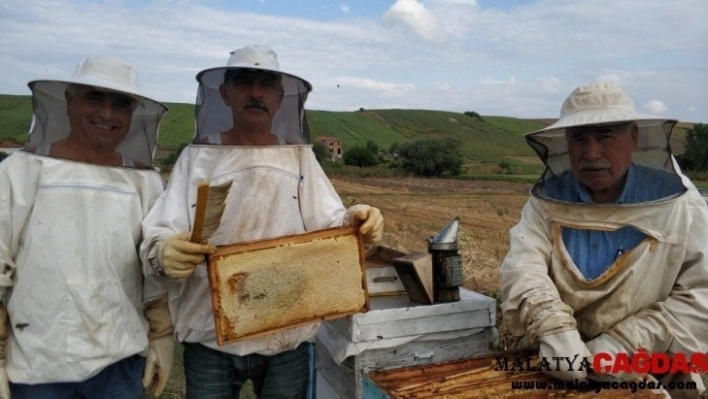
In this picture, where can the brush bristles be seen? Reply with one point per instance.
(215, 204)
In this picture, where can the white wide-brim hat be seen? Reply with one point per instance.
(106, 73)
(598, 104)
(603, 103)
(50, 122)
(213, 116)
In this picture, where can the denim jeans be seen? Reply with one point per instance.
(211, 374)
(120, 380)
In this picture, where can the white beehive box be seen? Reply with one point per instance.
(397, 332)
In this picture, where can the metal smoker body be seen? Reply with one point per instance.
(447, 265)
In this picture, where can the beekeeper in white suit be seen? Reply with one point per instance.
(610, 254)
(71, 204)
(250, 130)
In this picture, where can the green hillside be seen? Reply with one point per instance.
(483, 140)
(15, 117)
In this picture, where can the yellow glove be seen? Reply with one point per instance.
(369, 218)
(161, 354)
(4, 383)
(565, 345)
(179, 257)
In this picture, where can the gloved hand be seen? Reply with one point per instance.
(178, 256)
(4, 383)
(161, 353)
(604, 343)
(159, 364)
(369, 218)
(566, 345)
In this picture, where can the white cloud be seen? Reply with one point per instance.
(398, 60)
(488, 80)
(414, 14)
(610, 78)
(344, 7)
(549, 83)
(370, 84)
(472, 3)
(656, 107)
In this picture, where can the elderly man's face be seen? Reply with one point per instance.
(600, 156)
(253, 96)
(99, 119)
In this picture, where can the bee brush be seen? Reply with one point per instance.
(210, 208)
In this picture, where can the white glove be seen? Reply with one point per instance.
(604, 343)
(4, 383)
(179, 257)
(369, 218)
(159, 364)
(566, 345)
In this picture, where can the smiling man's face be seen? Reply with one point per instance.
(600, 156)
(99, 119)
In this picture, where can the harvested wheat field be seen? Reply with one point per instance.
(415, 209)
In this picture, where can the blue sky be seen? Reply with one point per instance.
(514, 58)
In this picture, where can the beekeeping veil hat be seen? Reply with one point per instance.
(603, 103)
(213, 116)
(50, 122)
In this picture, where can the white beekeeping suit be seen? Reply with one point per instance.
(653, 296)
(69, 236)
(277, 190)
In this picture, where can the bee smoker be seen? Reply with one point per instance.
(447, 266)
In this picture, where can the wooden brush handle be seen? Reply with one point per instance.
(199, 212)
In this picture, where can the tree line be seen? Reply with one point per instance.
(431, 158)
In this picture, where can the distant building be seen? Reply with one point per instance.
(334, 145)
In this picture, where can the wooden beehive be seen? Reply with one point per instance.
(397, 332)
(262, 287)
(479, 378)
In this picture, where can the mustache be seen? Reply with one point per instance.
(594, 165)
(256, 103)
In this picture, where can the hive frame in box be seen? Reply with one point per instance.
(272, 290)
(483, 377)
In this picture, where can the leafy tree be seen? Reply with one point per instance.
(362, 156)
(474, 115)
(695, 157)
(435, 158)
(321, 151)
(372, 146)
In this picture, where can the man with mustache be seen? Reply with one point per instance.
(610, 254)
(250, 131)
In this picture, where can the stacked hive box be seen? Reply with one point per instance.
(397, 332)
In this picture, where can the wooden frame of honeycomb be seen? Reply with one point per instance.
(261, 287)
